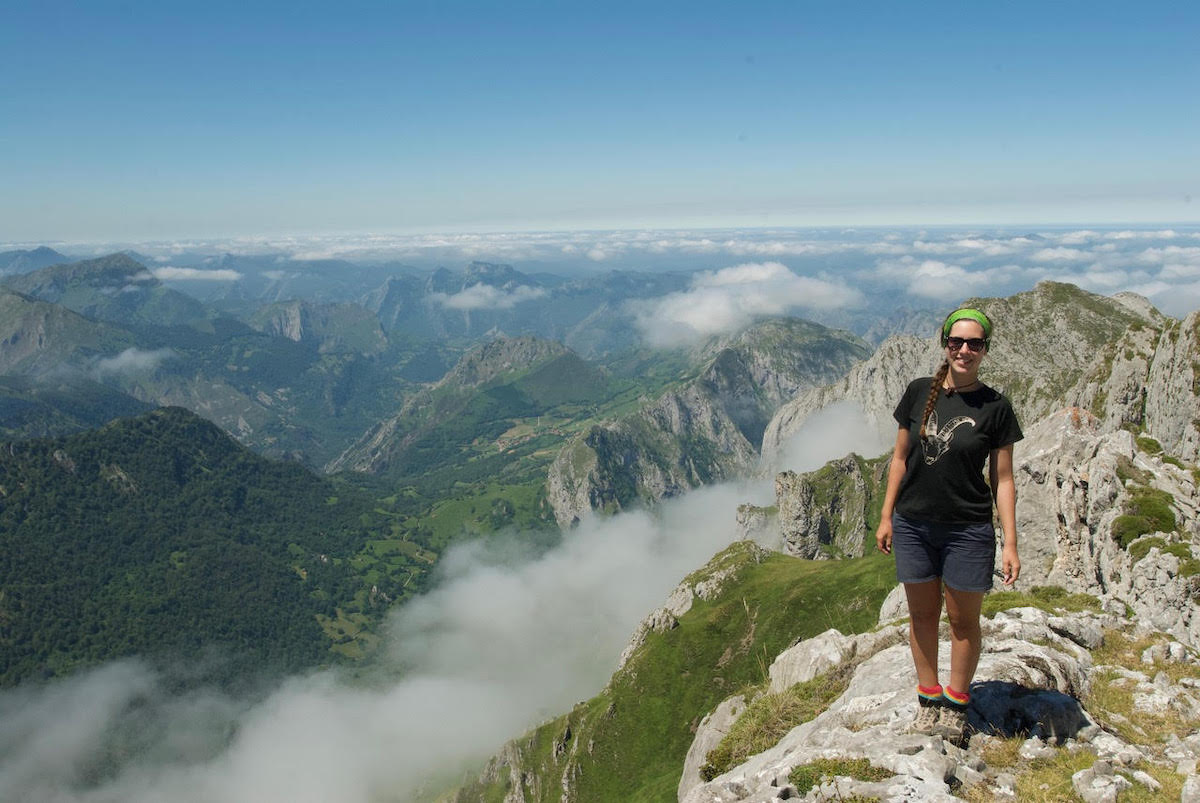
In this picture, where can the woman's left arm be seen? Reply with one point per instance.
(1004, 491)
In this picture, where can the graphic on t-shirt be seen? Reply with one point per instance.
(937, 441)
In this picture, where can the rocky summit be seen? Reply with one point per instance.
(1089, 683)
(1048, 695)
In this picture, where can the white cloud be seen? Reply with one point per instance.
(1077, 237)
(503, 643)
(1165, 234)
(942, 281)
(1171, 255)
(171, 274)
(731, 298)
(974, 254)
(486, 296)
(1060, 254)
(132, 361)
(830, 433)
(1174, 298)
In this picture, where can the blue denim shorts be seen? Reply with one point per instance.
(963, 555)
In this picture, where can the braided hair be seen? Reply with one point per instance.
(935, 388)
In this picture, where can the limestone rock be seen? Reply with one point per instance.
(709, 734)
(814, 656)
(1022, 687)
(1099, 784)
(895, 605)
(704, 430)
(824, 513)
(755, 523)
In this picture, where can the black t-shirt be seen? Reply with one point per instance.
(943, 479)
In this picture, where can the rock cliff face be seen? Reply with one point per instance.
(383, 446)
(1082, 492)
(332, 328)
(1150, 379)
(827, 513)
(1046, 340)
(703, 431)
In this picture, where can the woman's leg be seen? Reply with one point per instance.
(924, 614)
(962, 608)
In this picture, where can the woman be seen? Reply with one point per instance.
(937, 513)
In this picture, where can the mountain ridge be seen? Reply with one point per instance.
(1108, 514)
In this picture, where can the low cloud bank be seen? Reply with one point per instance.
(726, 300)
(835, 431)
(884, 264)
(505, 641)
(485, 296)
(132, 361)
(171, 274)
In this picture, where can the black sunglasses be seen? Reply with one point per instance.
(973, 343)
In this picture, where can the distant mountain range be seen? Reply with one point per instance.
(23, 261)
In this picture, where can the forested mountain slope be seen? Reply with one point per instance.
(161, 536)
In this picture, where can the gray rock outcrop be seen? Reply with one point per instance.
(824, 513)
(1030, 681)
(702, 431)
(1074, 483)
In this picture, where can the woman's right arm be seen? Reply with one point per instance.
(883, 535)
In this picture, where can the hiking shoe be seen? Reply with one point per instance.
(926, 719)
(951, 723)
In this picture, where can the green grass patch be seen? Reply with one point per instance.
(1110, 693)
(629, 742)
(349, 633)
(805, 776)
(1188, 565)
(1052, 599)
(479, 510)
(1141, 548)
(1149, 445)
(1147, 510)
(1127, 472)
(1049, 780)
(770, 716)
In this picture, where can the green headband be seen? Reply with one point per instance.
(967, 315)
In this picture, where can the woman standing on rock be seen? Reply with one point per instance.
(937, 513)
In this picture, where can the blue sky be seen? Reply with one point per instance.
(154, 120)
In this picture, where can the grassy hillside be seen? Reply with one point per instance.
(628, 743)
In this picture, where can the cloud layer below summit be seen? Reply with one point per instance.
(743, 271)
